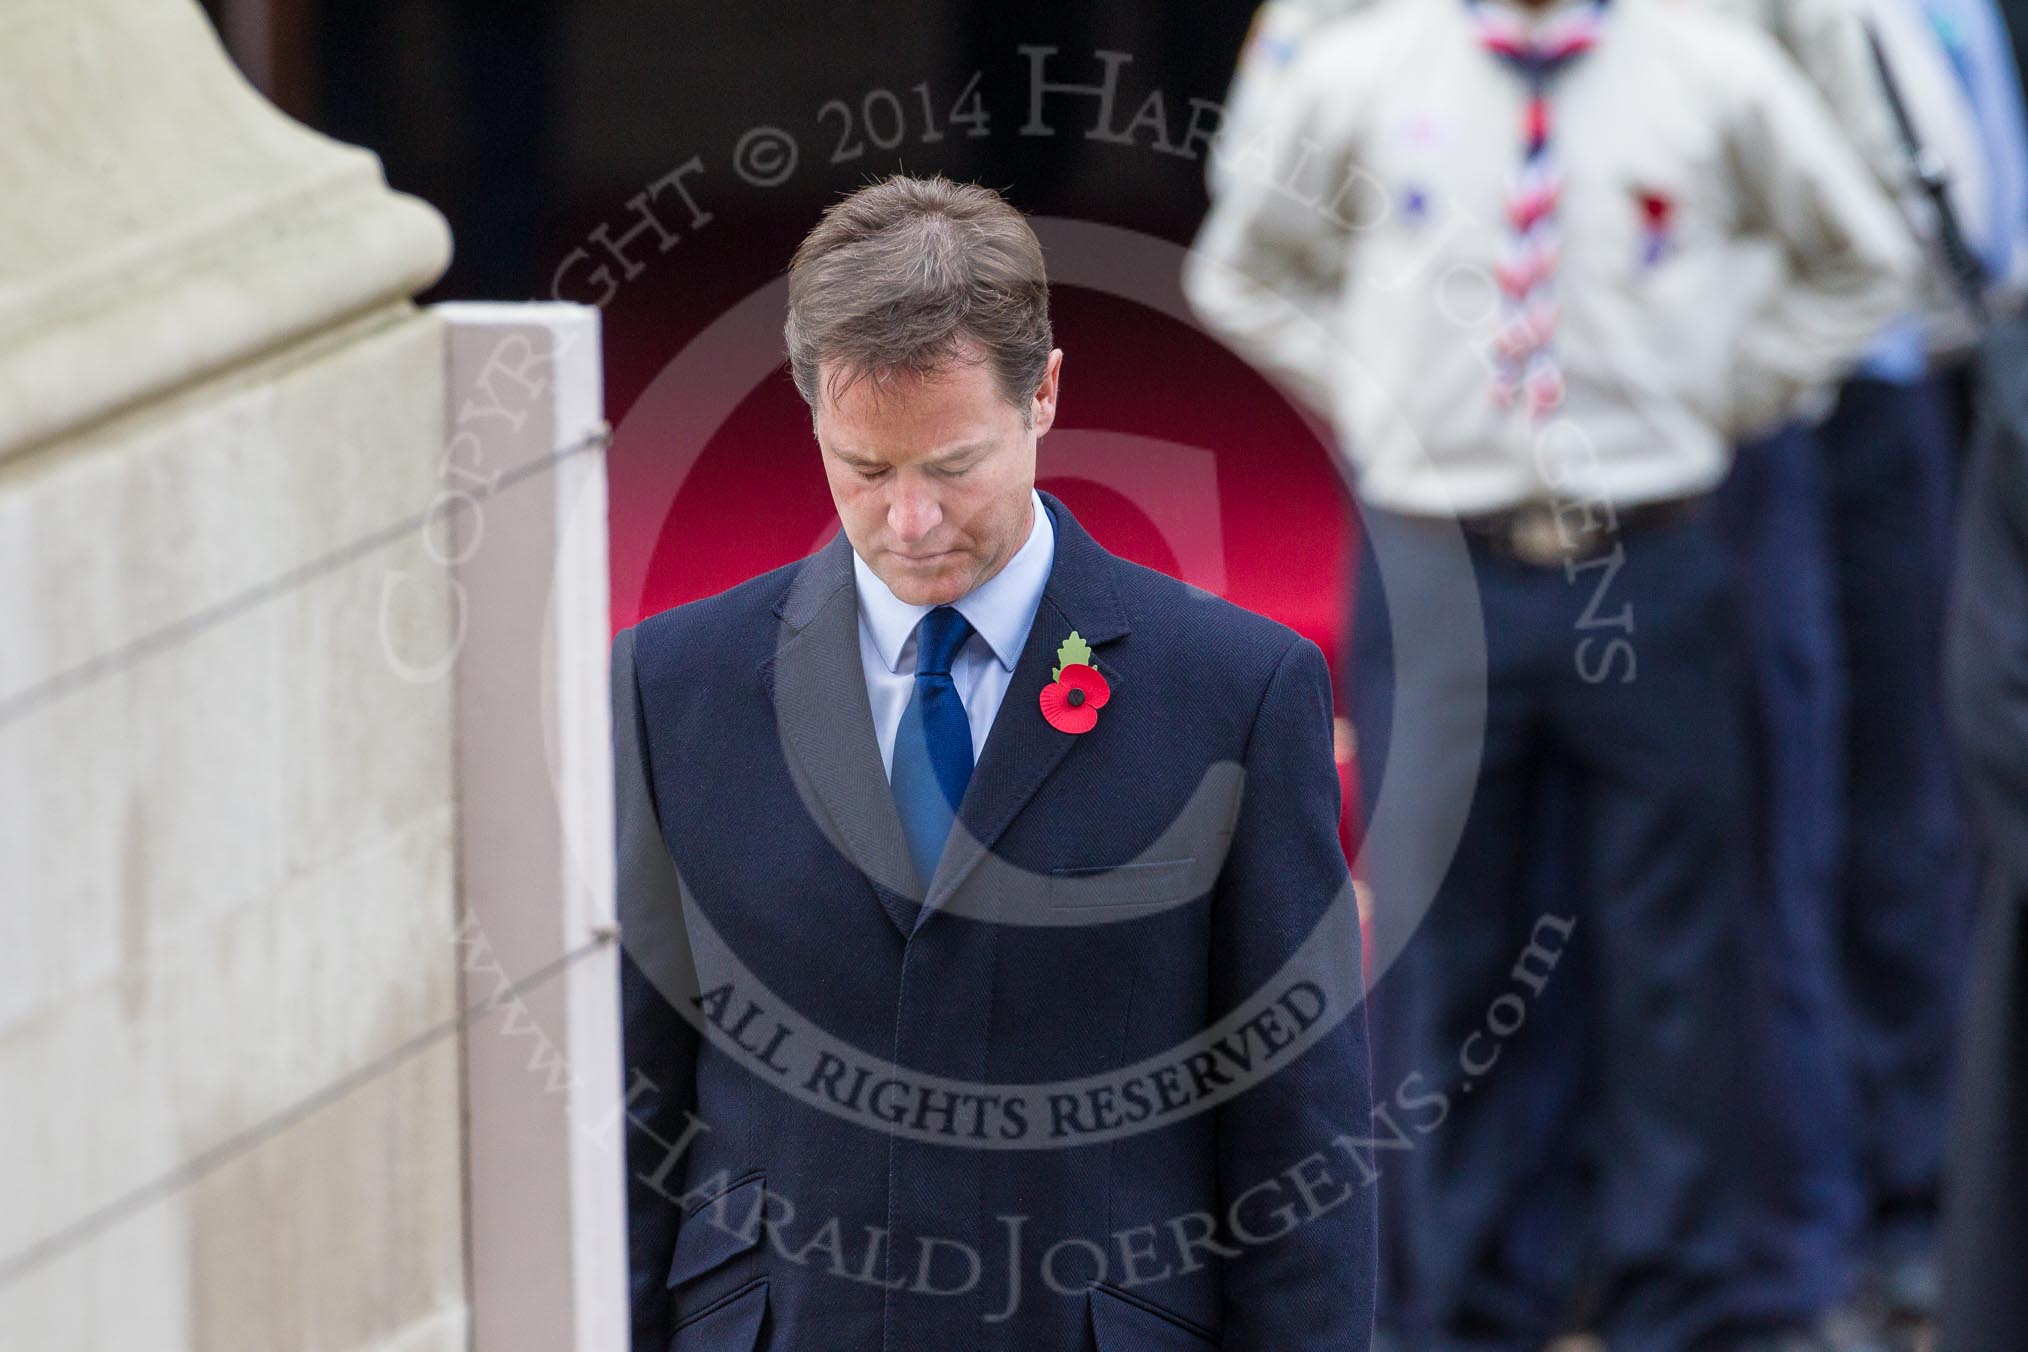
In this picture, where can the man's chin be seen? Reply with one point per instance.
(941, 591)
(926, 586)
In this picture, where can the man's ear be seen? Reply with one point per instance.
(1042, 407)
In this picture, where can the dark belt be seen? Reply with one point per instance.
(1542, 533)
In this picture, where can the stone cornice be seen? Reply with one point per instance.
(161, 222)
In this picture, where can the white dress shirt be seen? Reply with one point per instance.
(1001, 611)
(1351, 249)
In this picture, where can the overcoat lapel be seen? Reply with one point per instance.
(826, 719)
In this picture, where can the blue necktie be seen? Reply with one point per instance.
(933, 746)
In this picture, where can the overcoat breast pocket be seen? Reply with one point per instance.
(1125, 1323)
(1141, 884)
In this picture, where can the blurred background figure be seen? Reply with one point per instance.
(1985, 1306)
(1832, 524)
(1571, 433)
(1986, 1229)
(1889, 457)
(1538, 1251)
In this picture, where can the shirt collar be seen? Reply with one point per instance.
(1001, 609)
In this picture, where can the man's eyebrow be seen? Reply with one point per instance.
(853, 458)
(960, 452)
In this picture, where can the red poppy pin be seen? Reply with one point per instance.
(1071, 700)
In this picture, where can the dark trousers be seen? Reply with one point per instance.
(1619, 679)
(1887, 456)
(1774, 510)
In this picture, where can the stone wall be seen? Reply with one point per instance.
(230, 1076)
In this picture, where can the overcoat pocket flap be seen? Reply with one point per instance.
(718, 1230)
(730, 1325)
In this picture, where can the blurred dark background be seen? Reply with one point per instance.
(526, 121)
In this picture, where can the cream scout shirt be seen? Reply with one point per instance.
(1351, 253)
(1279, 30)
(1827, 40)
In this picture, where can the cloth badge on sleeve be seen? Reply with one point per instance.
(1658, 226)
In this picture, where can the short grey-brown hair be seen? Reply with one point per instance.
(905, 274)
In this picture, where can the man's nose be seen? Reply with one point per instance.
(913, 512)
